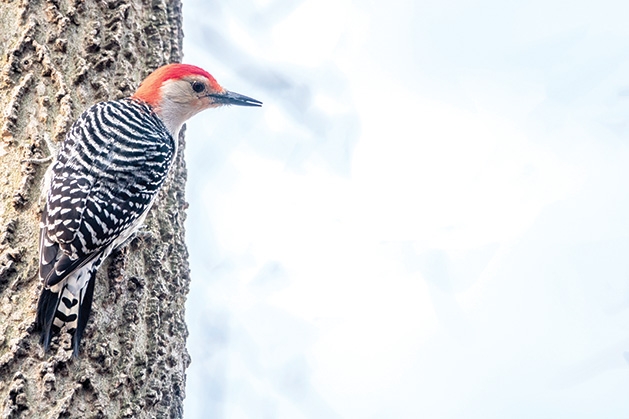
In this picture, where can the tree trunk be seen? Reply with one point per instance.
(57, 57)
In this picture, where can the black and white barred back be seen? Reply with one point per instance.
(107, 174)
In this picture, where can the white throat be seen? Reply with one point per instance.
(173, 115)
(177, 105)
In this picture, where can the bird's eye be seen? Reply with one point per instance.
(197, 86)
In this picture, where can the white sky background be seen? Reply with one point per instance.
(428, 217)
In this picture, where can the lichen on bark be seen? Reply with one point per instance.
(57, 57)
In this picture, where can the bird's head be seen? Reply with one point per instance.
(179, 91)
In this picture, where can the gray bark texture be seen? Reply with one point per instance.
(57, 57)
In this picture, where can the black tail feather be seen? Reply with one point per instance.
(85, 308)
(46, 309)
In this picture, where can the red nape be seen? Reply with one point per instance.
(149, 89)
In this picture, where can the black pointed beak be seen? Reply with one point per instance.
(231, 98)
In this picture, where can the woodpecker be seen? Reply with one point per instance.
(108, 171)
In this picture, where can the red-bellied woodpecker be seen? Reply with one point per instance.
(106, 176)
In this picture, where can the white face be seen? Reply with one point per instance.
(192, 91)
(184, 98)
(181, 99)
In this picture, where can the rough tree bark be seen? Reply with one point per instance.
(56, 58)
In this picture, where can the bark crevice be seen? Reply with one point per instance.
(56, 59)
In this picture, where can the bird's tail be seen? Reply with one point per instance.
(58, 309)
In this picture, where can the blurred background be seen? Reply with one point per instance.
(428, 218)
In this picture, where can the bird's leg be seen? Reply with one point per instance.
(141, 232)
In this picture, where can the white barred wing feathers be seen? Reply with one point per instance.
(111, 166)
